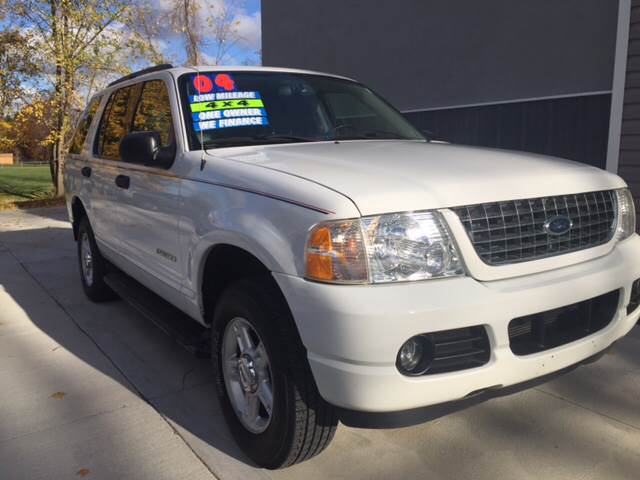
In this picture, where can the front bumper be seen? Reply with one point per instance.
(353, 333)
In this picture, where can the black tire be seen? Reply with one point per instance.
(95, 288)
(302, 424)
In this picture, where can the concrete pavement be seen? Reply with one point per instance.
(96, 391)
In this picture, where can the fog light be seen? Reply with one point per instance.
(414, 357)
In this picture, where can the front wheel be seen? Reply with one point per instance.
(265, 385)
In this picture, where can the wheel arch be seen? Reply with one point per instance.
(78, 212)
(222, 265)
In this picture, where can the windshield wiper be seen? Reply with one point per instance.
(293, 138)
(257, 140)
(368, 134)
(383, 134)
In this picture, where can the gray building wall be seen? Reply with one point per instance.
(432, 53)
(517, 74)
(629, 160)
(569, 127)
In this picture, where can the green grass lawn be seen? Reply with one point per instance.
(19, 184)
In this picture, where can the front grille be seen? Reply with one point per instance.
(553, 328)
(514, 231)
(458, 349)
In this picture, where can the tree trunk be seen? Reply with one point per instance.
(58, 181)
(63, 90)
(191, 35)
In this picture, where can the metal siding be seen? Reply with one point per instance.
(629, 165)
(634, 47)
(434, 53)
(574, 128)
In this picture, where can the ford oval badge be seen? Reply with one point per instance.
(558, 225)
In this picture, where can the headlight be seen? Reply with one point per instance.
(626, 214)
(387, 248)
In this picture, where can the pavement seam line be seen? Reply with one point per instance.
(572, 402)
(124, 375)
(65, 424)
(160, 396)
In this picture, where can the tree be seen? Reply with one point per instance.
(76, 39)
(223, 24)
(206, 25)
(185, 20)
(28, 132)
(17, 64)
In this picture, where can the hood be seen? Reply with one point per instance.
(393, 176)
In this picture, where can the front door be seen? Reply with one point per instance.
(148, 195)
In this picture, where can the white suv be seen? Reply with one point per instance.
(346, 266)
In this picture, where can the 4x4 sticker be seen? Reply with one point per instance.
(224, 104)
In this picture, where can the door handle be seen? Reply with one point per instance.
(122, 181)
(86, 171)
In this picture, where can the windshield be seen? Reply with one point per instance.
(252, 108)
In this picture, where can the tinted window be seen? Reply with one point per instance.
(115, 121)
(248, 108)
(153, 113)
(83, 126)
(344, 106)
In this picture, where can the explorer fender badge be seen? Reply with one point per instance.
(558, 225)
(166, 255)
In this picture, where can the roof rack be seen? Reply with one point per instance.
(156, 68)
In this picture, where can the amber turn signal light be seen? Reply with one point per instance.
(335, 253)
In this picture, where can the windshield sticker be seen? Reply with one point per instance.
(233, 113)
(230, 122)
(207, 97)
(217, 104)
(218, 82)
(223, 105)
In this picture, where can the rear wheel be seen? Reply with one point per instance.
(265, 385)
(93, 267)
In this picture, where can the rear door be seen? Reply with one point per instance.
(114, 125)
(77, 167)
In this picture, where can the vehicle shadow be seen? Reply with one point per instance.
(147, 362)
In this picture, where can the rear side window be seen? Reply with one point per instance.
(115, 122)
(153, 113)
(82, 129)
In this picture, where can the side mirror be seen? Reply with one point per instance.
(140, 147)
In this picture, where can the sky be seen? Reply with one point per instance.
(244, 52)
